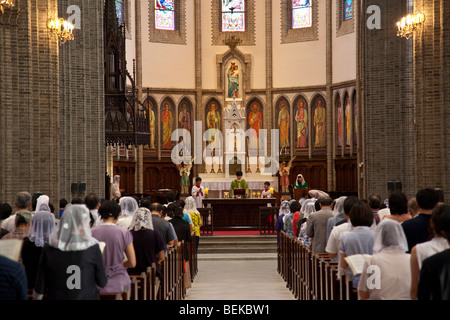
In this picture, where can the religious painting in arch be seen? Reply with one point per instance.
(152, 112)
(283, 124)
(185, 115)
(339, 123)
(167, 124)
(355, 121)
(319, 123)
(301, 127)
(213, 119)
(185, 119)
(255, 116)
(233, 76)
(348, 121)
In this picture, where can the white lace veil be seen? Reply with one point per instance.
(128, 206)
(142, 219)
(303, 180)
(339, 206)
(309, 209)
(73, 232)
(42, 200)
(116, 180)
(284, 208)
(389, 234)
(41, 227)
(189, 205)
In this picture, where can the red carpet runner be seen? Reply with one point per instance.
(237, 233)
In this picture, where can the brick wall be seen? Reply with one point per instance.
(386, 72)
(432, 95)
(82, 101)
(51, 101)
(29, 108)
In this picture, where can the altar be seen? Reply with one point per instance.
(218, 185)
(233, 213)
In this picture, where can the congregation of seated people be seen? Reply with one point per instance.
(109, 241)
(405, 240)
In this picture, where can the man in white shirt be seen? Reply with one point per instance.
(333, 243)
(198, 192)
(22, 203)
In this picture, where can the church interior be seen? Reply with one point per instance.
(329, 83)
(350, 94)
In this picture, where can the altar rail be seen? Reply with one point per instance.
(311, 276)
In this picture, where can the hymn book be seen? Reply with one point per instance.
(356, 262)
(11, 248)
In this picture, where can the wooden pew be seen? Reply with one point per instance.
(139, 286)
(153, 283)
(124, 295)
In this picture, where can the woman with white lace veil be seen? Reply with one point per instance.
(388, 267)
(43, 203)
(71, 248)
(129, 206)
(148, 244)
(284, 210)
(41, 227)
(115, 193)
(190, 208)
(308, 208)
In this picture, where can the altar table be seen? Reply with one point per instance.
(234, 213)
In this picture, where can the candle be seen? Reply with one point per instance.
(206, 191)
(271, 190)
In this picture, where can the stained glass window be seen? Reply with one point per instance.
(233, 15)
(301, 14)
(165, 15)
(348, 9)
(119, 11)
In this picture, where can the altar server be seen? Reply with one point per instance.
(198, 192)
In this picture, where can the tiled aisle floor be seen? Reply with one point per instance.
(238, 280)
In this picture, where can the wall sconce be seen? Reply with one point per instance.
(409, 24)
(61, 29)
(5, 4)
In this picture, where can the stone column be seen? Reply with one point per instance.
(386, 73)
(139, 150)
(432, 95)
(82, 103)
(29, 98)
(331, 182)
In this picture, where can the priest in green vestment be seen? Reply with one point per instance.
(239, 183)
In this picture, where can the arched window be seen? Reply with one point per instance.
(301, 14)
(233, 15)
(165, 15)
(348, 9)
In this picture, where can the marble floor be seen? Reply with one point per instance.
(238, 280)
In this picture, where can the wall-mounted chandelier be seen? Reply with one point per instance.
(6, 4)
(409, 24)
(61, 29)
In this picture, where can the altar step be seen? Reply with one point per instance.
(237, 248)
